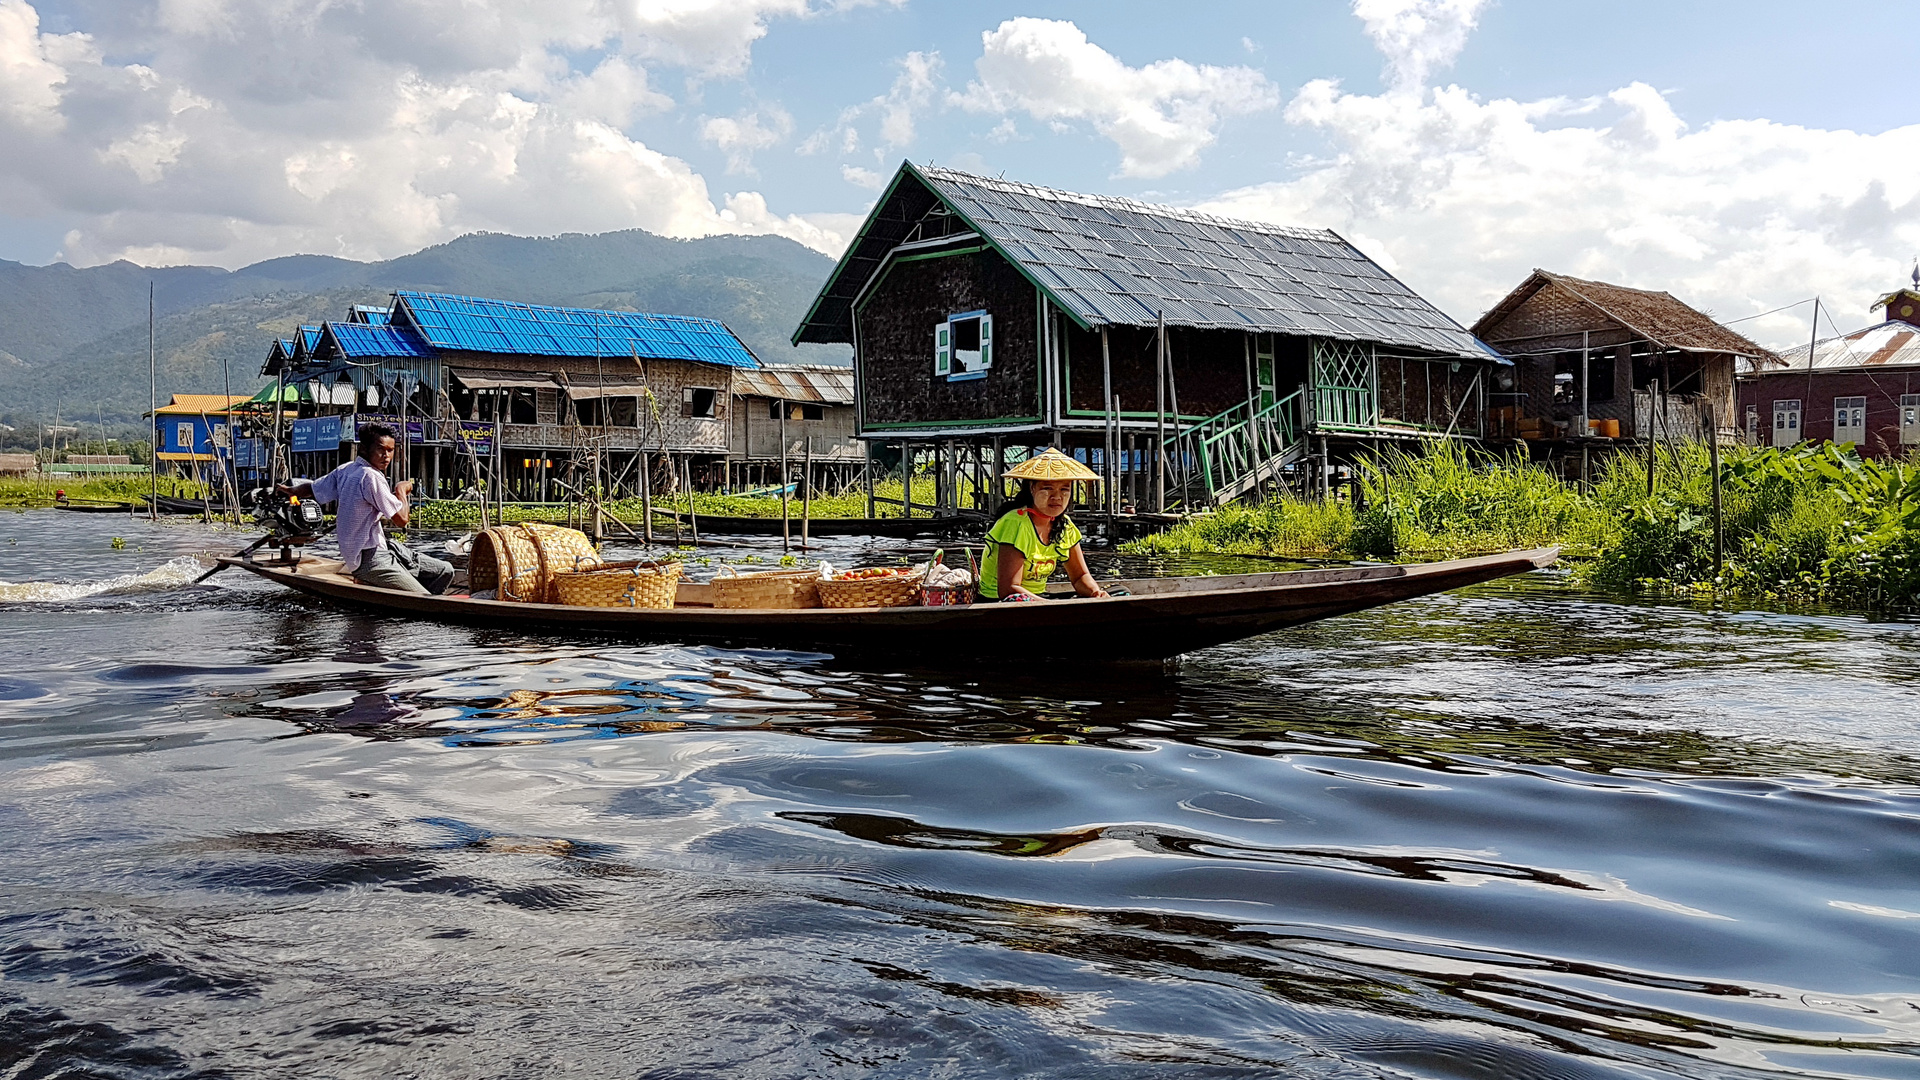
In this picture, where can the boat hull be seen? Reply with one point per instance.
(1164, 618)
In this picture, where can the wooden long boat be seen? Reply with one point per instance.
(94, 508)
(1163, 617)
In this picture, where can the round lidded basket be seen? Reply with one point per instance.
(770, 589)
(622, 584)
(894, 590)
(561, 551)
(504, 559)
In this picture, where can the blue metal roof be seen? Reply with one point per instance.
(359, 340)
(371, 314)
(498, 326)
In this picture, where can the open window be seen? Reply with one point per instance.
(699, 402)
(963, 346)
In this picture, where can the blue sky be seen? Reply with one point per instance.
(1743, 156)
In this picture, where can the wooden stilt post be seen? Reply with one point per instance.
(1160, 423)
(806, 494)
(786, 528)
(866, 448)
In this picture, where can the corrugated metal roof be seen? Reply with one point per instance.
(1891, 342)
(1116, 261)
(361, 340)
(823, 383)
(194, 404)
(499, 326)
(370, 314)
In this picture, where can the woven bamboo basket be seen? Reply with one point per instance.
(621, 584)
(562, 551)
(769, 589)
(504, 558)
(896, 590)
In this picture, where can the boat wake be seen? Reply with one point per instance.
(171, 574)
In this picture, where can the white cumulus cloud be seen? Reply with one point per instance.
(1160, 116)
(1468, 194)
(1418, 37)
(255, 128)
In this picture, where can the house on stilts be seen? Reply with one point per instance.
(988, 316)
(1595, 363)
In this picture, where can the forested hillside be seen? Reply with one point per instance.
(76, 339)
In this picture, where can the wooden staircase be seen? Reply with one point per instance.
(1241, 448)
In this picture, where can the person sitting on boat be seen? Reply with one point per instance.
(365, 501)
(1034, 534)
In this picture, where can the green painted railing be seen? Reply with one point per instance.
(1232, 445)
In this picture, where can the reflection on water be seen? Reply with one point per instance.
(1516, 831)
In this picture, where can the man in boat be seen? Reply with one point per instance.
(364, 502)
(1034, 534)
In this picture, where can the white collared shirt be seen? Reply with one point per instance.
(364, 498)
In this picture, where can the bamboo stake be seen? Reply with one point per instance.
(786, 527)
(693, 519)
(806, 495)
(1713, 463)
(1653, 432)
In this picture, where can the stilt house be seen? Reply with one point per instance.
(788, 415)
(986, 314)
(1645, 355)
(1861, 388)
(526, 396)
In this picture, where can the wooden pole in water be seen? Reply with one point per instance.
(1653, 433)
(786, 469)
(693, 518)
(867, 449)
(1713, 463)
(153, 409)
(806, 494)
(1160, 425)
(1111, 434)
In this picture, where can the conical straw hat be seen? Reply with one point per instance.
(1052, 465)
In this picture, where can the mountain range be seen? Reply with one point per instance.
(75, 340)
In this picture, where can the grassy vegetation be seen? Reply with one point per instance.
(24, 492)
(458, 515)
(1810, 523)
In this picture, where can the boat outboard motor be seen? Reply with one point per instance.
(290, 520)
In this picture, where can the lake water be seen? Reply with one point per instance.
(1514, 831)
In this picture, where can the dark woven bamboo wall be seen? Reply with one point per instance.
(896, 342)
(1209, 368)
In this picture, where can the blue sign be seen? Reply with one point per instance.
(301, 436)
(326, 433)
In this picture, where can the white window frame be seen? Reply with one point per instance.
(1850, 421)
(1787, 428)
(1909, 419)
(956, 365)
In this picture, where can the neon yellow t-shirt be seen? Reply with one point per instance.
(1016, 529)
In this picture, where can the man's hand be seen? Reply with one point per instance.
(403, 489)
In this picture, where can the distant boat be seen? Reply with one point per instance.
(1163, 617)
(169, 504)
(94, 508)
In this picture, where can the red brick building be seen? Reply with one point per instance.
(1861, 388)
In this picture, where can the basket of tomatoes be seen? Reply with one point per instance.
(874, 586)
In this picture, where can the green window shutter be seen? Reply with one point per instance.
(942, 349)
(986, 342)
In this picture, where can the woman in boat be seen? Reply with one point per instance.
(1034, 534)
